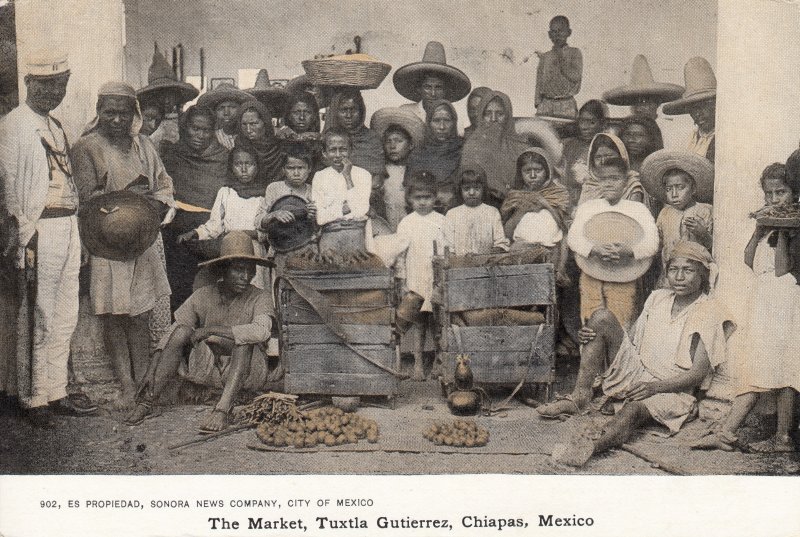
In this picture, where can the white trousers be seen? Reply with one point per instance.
(56, 314)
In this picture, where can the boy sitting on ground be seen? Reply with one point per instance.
(227, 324)
(674, 347)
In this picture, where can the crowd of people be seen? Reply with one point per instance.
(243, 179)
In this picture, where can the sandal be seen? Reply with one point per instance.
(776, 444)
(203, 430)
(557, 410)
(141, 412)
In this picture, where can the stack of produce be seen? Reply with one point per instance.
(777, 216)
(459, 433)
(328, 426)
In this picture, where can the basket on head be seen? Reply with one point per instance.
(354, 70)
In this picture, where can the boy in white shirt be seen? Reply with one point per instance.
(341, 191)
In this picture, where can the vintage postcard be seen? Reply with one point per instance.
(400, 268)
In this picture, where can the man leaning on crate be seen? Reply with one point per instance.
(227, 324)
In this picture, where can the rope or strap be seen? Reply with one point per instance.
(324, 309)
(503, 404)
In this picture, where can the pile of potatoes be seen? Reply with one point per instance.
(459, 433)
(324, 426)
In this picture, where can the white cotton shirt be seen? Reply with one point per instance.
(538, 227)
(424, 235)
(329, 192)
(230, 212)
(475, 230)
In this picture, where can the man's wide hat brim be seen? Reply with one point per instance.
(118, 225)
(185, 92)
(408, 79)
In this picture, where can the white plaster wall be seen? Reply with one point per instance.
(493, 41)
(92, 32)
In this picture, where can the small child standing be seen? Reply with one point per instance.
(401, 131)
(296, 171)
(236, 206)
(770, 359)
(613, 265)
(558, 77)
(680, 180)
(424, 229)
(475, 227)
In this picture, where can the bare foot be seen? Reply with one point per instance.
(276, 374)
(216, 421)
(561, 408)
(776, 444)
(419, 373)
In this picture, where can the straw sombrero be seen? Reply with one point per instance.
(642, 87)
(297, 233)
(408, 78)
(540, 133)
(161, 79)
(658, 163)
(236, 245)
(275, 98)
(383, 118)
(609, 227)
(701, 85)
(223, 92)
(118, 225)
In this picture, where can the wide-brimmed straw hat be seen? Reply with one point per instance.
(701, 85)
(385, 117)
(611, 226)
(236, 246)
(658, 163)
(297, 233)
(408, 79)
(161, 79)
(220, 94)
(540, 133)
(118, 225)
(275, 98)
(642, 87)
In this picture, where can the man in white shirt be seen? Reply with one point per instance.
(42, 196)
(341, 191)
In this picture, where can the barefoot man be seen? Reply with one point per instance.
(227, 324)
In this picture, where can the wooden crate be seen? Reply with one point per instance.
(315, 359)
(499, 354)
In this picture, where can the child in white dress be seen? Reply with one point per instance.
(475, 227)
(424, 229)
(235, 207)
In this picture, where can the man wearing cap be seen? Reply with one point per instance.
(699, 101)
(42, 196)
(224, 100)
(227, 325)
(429, 80)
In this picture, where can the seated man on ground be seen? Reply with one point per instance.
(676, 343)
(226, 324)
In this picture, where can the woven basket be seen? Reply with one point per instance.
(355, 70)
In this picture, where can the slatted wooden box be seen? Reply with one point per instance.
(315, 359)
(499, 354)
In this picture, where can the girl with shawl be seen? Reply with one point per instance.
(535, 212)
(495, 145)
(347, 111)
(111, 156)
(197, 164)
(605, 146)
(440, 153)
(235, 207)
(257, 133)
(591, 121)
(301, 124)
(473, 104)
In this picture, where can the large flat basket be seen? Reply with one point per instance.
(354, 70)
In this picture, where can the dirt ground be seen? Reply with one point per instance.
(520, 443)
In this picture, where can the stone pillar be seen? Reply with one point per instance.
(758, 108)
(92, 32)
